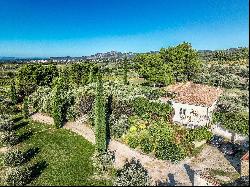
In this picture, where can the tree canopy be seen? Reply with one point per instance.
(178, 63)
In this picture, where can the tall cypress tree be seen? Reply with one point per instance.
(57, 105)
(125, 69)
(13, 94)
(91, 76)
(100, 117)
(25, 108)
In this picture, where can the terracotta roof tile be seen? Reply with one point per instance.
(245, 156)
(197, 94)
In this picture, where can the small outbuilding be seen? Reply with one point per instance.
(193, 104)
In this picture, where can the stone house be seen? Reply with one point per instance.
(193, 104)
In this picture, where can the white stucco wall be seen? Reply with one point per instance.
(201, 117)
(220, 131)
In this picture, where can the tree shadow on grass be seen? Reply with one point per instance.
(17, 118)
(37, 169)
(24, 136)
(30, 153)
(20, 125)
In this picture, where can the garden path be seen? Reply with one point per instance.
(162, 172)
(3, 150)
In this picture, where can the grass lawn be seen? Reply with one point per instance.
(65, 155)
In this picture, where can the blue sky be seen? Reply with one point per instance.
(82, 27)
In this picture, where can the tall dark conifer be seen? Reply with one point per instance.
(13, 94)
(100, 117)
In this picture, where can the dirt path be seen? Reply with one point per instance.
(42, 118)
(3, 150)
(160, 171)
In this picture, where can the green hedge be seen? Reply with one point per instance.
(238, 122)
(143, 106)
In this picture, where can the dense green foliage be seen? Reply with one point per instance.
(25, 108)
(30, 76)
(136, 115)
(13, 158)
(227, 76)
(183, 61)
(171, 64)
(13, 94)
(144, 107)
(238, 122)
(199, 134)
(18, 176)
(100, 118)
(58, 111)
(103, 163)
(78, 73)
(232, 111)
(125, 78)
(132, 174)
(164, 140)
(152, 68)
(233, 54)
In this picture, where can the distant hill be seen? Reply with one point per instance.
(114, 56)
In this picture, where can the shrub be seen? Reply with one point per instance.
(13, 158)
(78, 73)
(30, 76)
(83, 104)
(132, 174)
(6, 124)
(238, 122)
(169, 151)
(121, 107)
(103, 162)
(9, 138)
(153, 93)
(146, 143)
(118, 126)
(143, 106)
(18, 176)
(41, 100)
(57, 111)
(199, 134)
(132, 140)
(71, 113)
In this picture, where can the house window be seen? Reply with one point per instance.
(184, 111)
(180, 111)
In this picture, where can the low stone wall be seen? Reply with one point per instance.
(219, 130)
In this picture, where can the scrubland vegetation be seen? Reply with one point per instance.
(123, 97)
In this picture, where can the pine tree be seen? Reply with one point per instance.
(100, 118)
(25, 108)
(13, 94)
